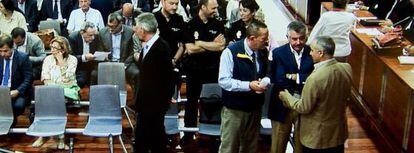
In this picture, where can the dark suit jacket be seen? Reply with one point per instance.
(76, 44)
(284, 62)
(31, 14)
(135, 13)
(402, 10)
(127, 42)
(21, 72)
(155, 86)
(47, 9)
(143, 4)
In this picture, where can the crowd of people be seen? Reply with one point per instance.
(311, 79)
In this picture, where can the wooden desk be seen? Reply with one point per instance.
(383, 89)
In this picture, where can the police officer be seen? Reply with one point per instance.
(247, 10)
(204, 44)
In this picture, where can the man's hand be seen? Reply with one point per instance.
(89, 57)
(292, 76)
(255, 86)
(14, 93)
(136, 57)
(220, 38)
(284, 96)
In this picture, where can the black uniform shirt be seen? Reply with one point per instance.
(171, 31)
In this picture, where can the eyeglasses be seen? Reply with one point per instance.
(55, 48)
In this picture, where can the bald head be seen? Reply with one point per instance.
(127, 9)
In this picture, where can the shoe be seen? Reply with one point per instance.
(186, 139)
(39, 142)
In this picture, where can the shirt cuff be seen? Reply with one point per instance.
(245, 85)
(83, 58)
(297, 78)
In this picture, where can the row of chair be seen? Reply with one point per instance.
(50, 113)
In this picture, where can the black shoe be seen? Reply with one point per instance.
(186, 139)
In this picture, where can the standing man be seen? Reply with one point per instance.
(16, 73)
(291, 66)
(128, 14)
(242, 65)
(32, 45)
(29, 9)
(204, 43)
(323, 124)
(84, 13)
(118, 38)
(155, 87)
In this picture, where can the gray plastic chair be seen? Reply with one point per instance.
(265, 108)
(6, 110)
(50, 24)
(171, 120)
(105, 118)
(209, 90)
(114, 73)
(50, 112)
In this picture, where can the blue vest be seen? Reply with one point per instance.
(244, 69)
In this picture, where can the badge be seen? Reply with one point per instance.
(212, 32)
(195, 35)
(238, 34)
(175, 29)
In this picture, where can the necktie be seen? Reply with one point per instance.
(254, 63)
(55, 11)
(6, 75)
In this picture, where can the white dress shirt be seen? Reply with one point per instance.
(116, 45)
(149, 44)
(77, 17)
(21, 6)
(21, 48)
(85, 50)
(298, 59)
(59, 9)
(337, 25)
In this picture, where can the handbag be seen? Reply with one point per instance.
(46, 35)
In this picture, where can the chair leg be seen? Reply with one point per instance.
(111, 144)
(71, 145)
(122, 144)
(129, 120)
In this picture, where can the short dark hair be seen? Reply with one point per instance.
(8, 5)
(16, 32)
(297, 26)
(340, 3)
(201, 3)
(253, 28)
(115, 17)
(250, 4)
(6, 40)
(325, 44)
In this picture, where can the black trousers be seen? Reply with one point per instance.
(150, 133)
(337, 149)
(195, 79)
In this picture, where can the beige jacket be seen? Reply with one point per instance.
(323, 122)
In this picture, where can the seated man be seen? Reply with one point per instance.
(118, 38)
(84, 44)
(128, 14)
(32, 45)
(16, 73)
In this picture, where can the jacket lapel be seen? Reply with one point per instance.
(291, 57)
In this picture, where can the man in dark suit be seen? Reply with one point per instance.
(56, 10)
(16, 73)
(84, 44)
(142, 5)
(129, 13)
(29, 9)
(291, 66)
(118, 38)
(155, 88)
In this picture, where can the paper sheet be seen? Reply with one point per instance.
(370, 31)
(266, 123)
(100, 55)
(406, 59)
(367, 18)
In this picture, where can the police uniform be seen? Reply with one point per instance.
(200, 67)
(171, 31)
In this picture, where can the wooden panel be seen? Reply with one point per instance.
(397, 96)
(355, 60)
(372, 82)
(410, 147)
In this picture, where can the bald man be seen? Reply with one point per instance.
(129, 14)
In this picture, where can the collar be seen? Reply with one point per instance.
(11, 57)
(293, 51)
(320, 64)
(248, 50)
(152, 40)
(120, 32)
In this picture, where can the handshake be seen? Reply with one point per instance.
(259, 86)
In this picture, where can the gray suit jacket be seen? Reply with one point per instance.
(129, 45)
(323, 122)
(35, 48)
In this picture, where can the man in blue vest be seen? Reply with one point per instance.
(241, 68)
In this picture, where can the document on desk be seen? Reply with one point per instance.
(370, 31)
(100, 55)
(266, 123)
(367, 18)
(406, 59)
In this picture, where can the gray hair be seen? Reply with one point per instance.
(86, 25)
(147, 22)
(324, 44)
(298, 27)
(115, 17)
(253, 28)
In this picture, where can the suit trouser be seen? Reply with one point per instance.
(239, 131)
(150, 133)
(337, 149)
(18, 104)
(194, 82)
(281, 133)
(86, 77)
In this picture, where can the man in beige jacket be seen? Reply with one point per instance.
(323, 124)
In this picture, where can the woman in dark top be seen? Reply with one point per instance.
(247, 11)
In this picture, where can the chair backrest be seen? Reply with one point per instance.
(104, 102)
(173, 110)
(50, 102)
(210, 104)
(267, 99)
(50, 24)
(112, 73)
(6, 110)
